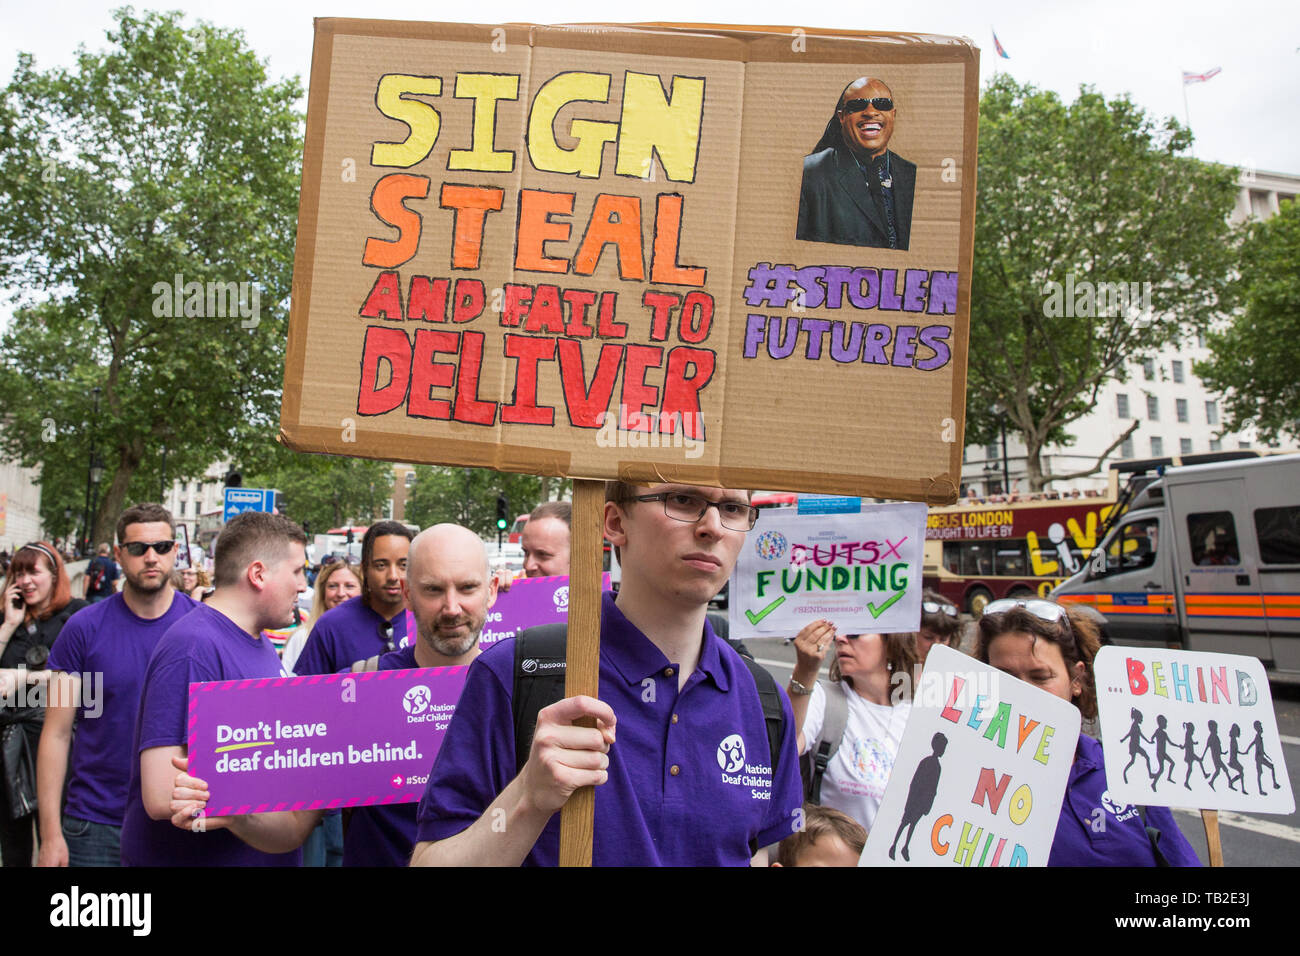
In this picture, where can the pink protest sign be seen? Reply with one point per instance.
(321, 741)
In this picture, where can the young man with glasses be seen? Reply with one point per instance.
(99, 662)
(680, 755)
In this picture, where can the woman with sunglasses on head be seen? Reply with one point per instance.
(38, 602)
(1052, 647)
(872, 709)
(939, 624)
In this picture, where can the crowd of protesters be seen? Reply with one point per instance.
(100, 772)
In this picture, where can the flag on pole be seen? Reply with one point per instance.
(1189, 78)
(1003, 53)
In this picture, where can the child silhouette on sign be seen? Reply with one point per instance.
(1214, 750)
(1135, 740)
(920, 792)
(1189, 753)
(1261, 759)
(1163, 743)
(1234, 758)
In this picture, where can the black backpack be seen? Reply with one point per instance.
(539, 682)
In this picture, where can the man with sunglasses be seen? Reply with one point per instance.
(679, 754)
(856, 191)
(108, 645)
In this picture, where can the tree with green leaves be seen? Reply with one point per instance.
(324, 491)
(1096, 245)
(468, 496)
(148, 200)
(1256, 358)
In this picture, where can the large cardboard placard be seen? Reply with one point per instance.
(1190, 729)
(612, 251)
(981, 771)
(860, 571)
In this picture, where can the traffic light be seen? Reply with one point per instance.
(503, 513)
(234, 480)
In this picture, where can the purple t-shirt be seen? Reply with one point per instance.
(1123, 841)
(690, 781)
(383, 835)
(109, 647)
(351, 632)
(204, 646)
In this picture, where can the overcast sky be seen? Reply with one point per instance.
(1245, 116)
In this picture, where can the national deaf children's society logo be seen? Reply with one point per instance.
(731, 754)
(561, 598)
(417, 700)
(1120, 811)
(770, 545)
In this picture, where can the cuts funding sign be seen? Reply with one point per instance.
(981, 771)
(861, 571)
(586, 250)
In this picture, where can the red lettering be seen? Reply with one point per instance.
(1137, 683)
(426, 374)
(528, 352)
(385, 298)
(383, 345)
(469, 301)
(587, 405)
(469, 408)
(606, 327)
(387, 201)
(516, 304)
(689, 370)
(662, 305)
(471, 205)
(697, 316)
(949, 712)
(987, 793)
(636, 393)
(579, 300)
(427, 299)
(546, 314)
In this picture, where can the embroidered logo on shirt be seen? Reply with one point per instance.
(1120, 812)
(731, 753)
(871, 762)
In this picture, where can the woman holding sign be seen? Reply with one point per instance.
(1052, 647)
(859, 758)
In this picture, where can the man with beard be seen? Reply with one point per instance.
(856, 191)
(449, 590)
(108, 645)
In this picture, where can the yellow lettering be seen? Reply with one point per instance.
(484, 89)
(546, 154)
(421, 118)
(653, 123)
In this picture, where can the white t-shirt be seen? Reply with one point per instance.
(857, 775)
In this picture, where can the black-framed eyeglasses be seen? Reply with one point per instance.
(137, 548)
(882, 104)
(934, 607)
(734, 515)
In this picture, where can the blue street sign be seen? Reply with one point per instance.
(239, 500)
(828, 505)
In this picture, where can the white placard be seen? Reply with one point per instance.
(981, 771)
(1159, 705)
(860, 571)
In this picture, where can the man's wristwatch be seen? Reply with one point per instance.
(798, 688)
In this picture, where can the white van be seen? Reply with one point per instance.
(1206, 558)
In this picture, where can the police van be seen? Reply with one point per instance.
(1205, 558)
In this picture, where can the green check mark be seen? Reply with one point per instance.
(755, 618)
(877, 611)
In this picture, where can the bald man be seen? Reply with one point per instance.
(449, 590)
(856, 191)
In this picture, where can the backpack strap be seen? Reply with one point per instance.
(773, 715)
(540, 664)
(1153, 835)
(836, 719)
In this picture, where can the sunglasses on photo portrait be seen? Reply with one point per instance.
(137, 548)
(882, 104)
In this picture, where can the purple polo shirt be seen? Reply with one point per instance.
(689, 782)
(351, 632)
(109, 647)
(1123, 840)
(383, 835)
(204, 646)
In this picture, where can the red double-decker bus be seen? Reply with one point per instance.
(976, 553)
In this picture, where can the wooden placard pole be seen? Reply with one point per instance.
(1211, 820)
(582, 674)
